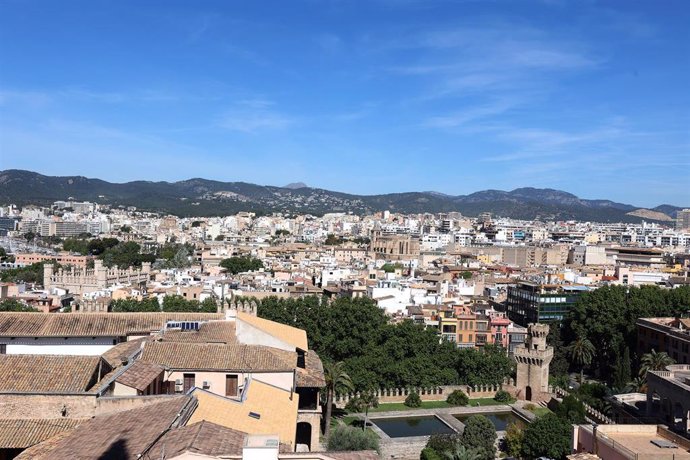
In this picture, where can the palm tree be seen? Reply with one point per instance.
(582, 352)
(368, 399)
(654, 362)
(461, 452)
(637, 385)
(337, 380)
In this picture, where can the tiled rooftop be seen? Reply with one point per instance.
(211, 356)
(48, 373)
(90, 324)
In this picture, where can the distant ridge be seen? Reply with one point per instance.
(295, 185)
(202, 197)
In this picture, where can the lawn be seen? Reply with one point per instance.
(539, 411)
(384, 407)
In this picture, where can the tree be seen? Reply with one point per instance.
(654, 361)
(429, 454)
(466, 275)
(457, 398)
(237, 265)
(480, 434)
(513, 440)
(363, 403)
(347, 438)
(571, 409)
(622, 372)
(332, 240)
(390, 268)
(440, 443)
(607, 317)
(337, 381)
(413, 400)
(15, 305)
(132, 305)
(460, 452)
(548, 436)
(582, 352)
(503, 396)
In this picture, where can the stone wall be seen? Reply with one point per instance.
(439, 393)
(23, 406)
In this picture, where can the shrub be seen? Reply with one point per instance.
(548, 436)
(503, 396)
(429, 454)
(513, 440)
(413, 400)
(458, 398)
(529, 406)
(441, 443)
(347, 438)
(572, 410)
(480, 434)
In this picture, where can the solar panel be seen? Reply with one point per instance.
(664, 444)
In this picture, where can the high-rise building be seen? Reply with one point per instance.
(683, 220)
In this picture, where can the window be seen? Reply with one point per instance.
(231, 385)
(189, 382)
(3, 349)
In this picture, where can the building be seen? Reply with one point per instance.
(533, 359)
(76, 280)
(236, 371)
(683, 220)
(629, 442)
(395, 246)
(668, 396)
(669, 335)
(534, 302)
(62, 258)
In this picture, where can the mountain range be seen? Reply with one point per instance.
(202, 197)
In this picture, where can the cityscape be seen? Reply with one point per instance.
(491, 259)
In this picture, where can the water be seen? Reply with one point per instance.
(500, 420)
(412, 426)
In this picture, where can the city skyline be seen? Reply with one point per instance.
(363, 98)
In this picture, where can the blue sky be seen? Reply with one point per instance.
(366, 97)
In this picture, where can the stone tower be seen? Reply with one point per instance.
(533, 362)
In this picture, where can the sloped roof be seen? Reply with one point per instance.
(48, 373)
(205, 438)
(123, 351)
(140, 375)
(312, 374)
(288, 334)
(221, 357)
(124, 435)
(91, 324)
(211, 332)
(23, 433)
(276, 408)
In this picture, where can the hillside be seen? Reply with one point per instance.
(202, 197)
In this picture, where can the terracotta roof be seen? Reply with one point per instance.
(312, 374)
(124, 435)
(292, 335)
(48, 373)
(23, 433)
(123, 351)
(90, 324)
(276, 410)
(211, 332)
(212, 356)
(140, 375)
(205, 438)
